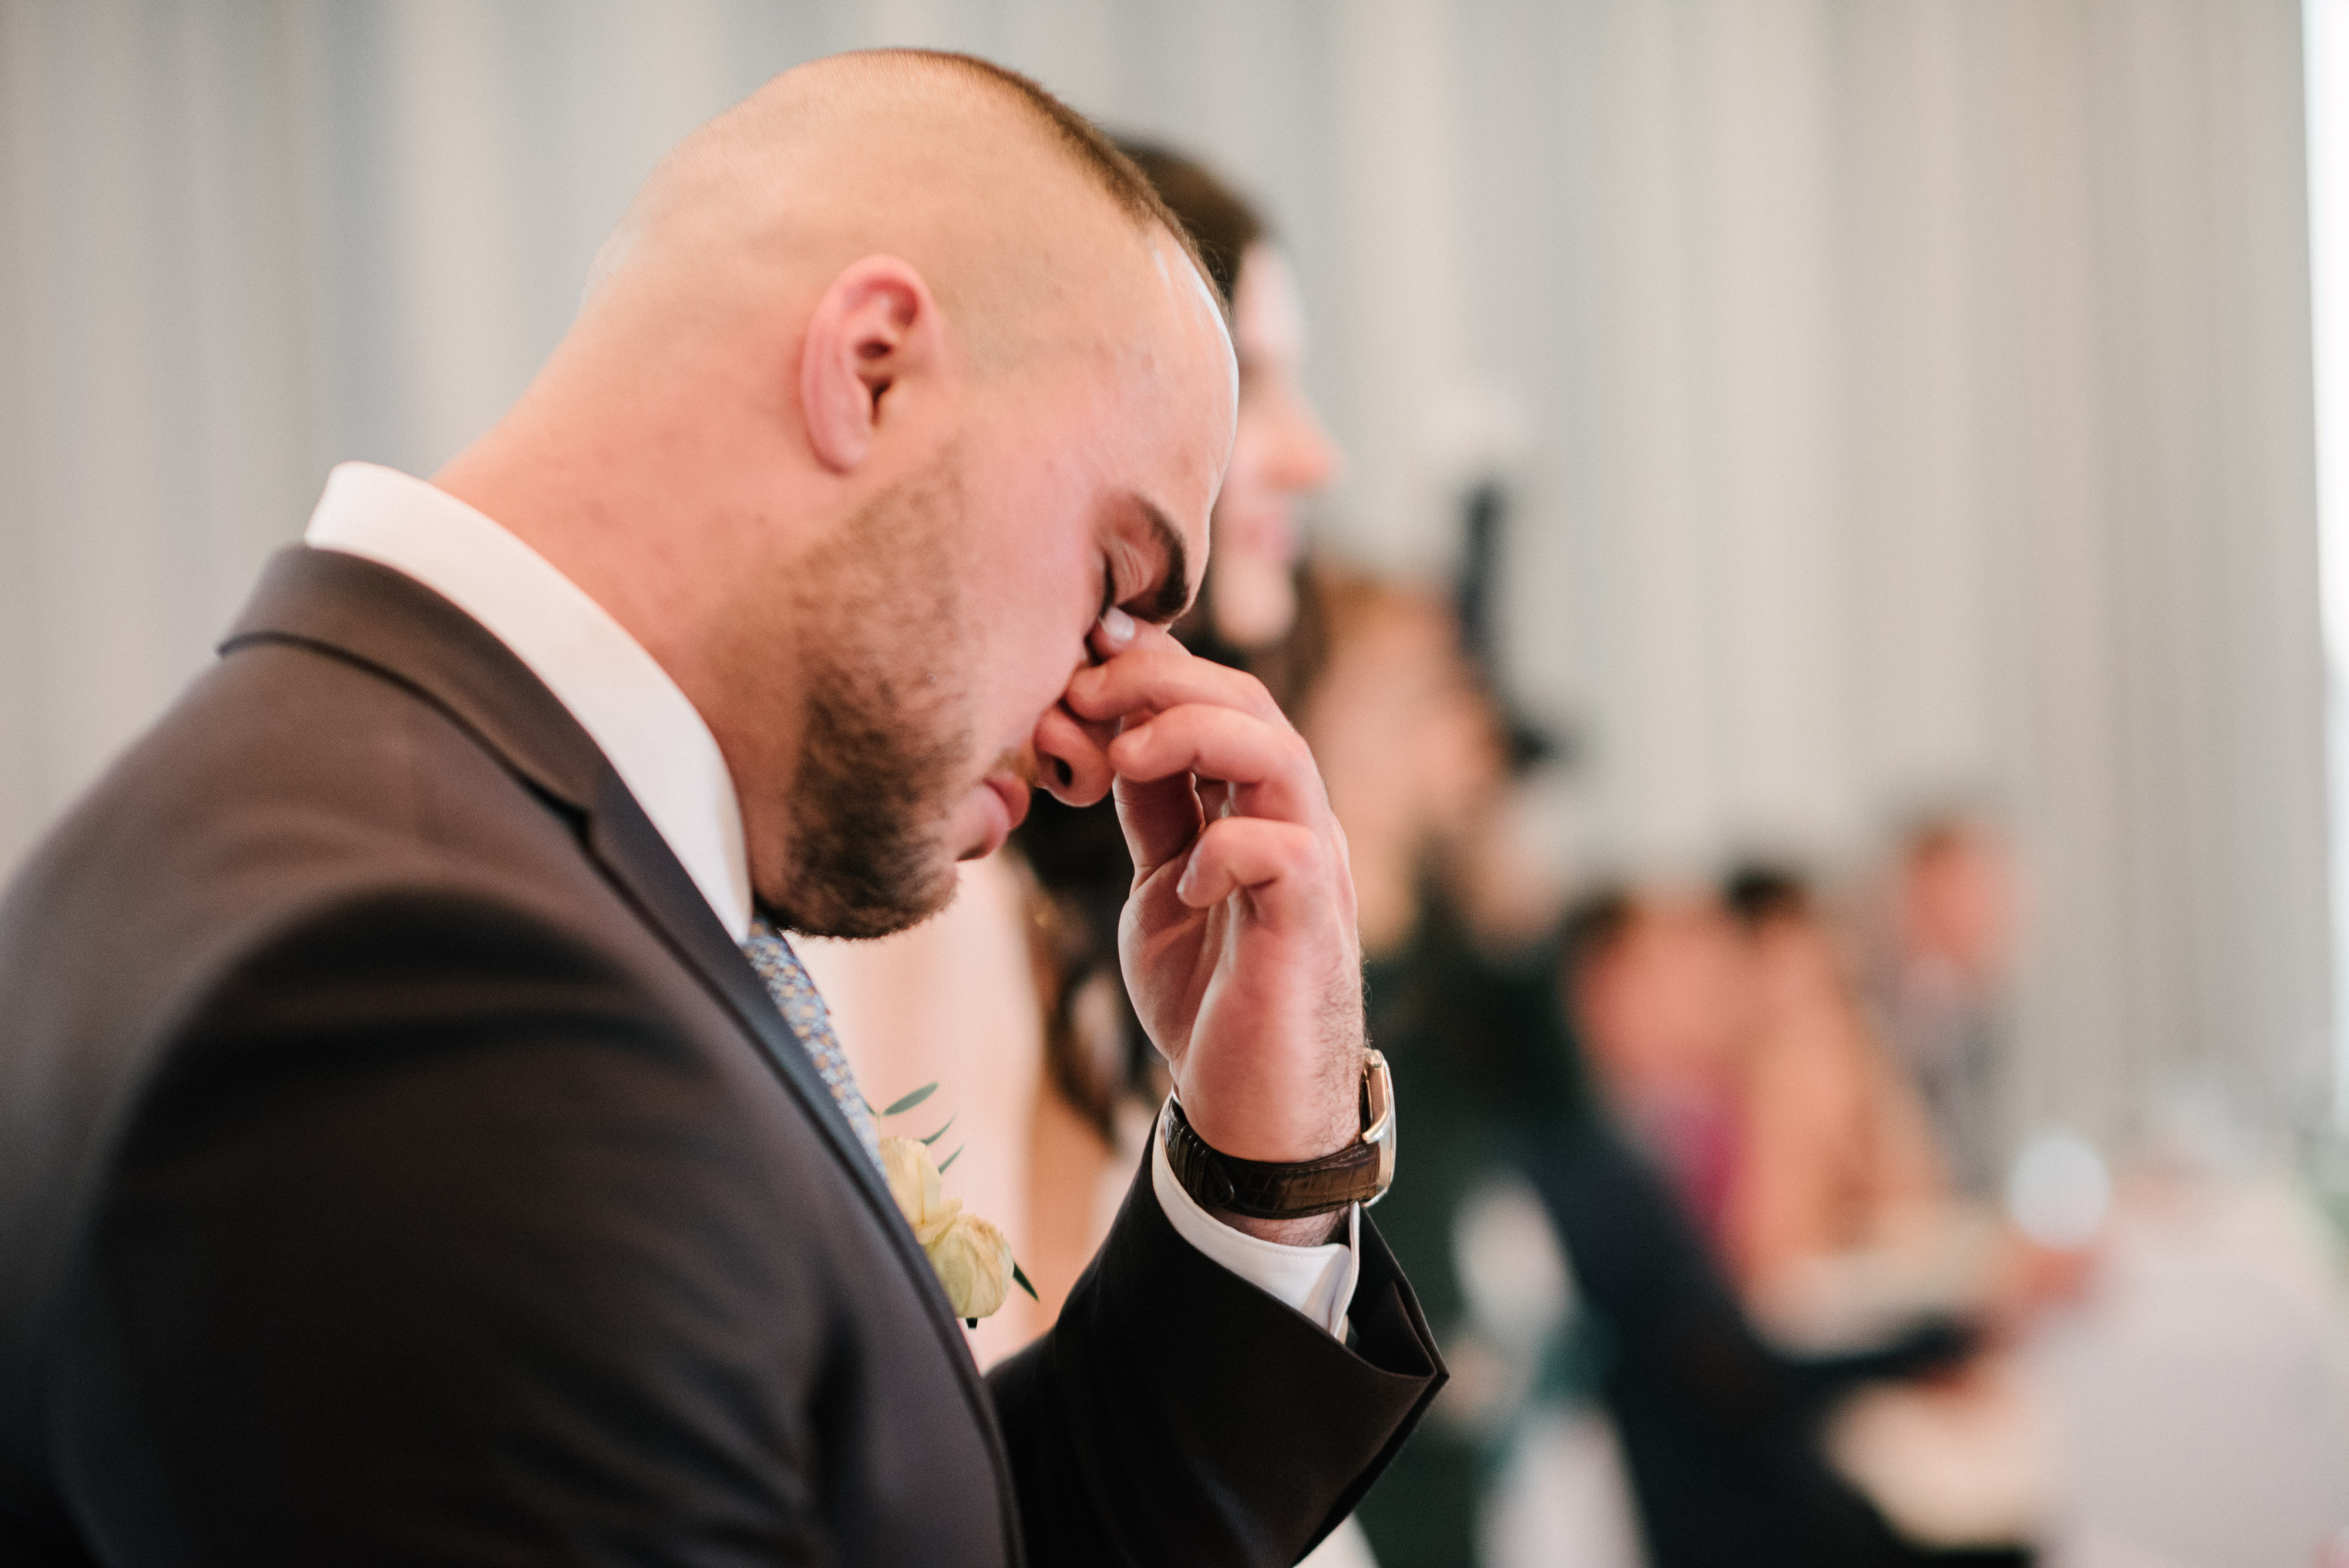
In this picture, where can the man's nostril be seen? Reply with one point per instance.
(1068, 774)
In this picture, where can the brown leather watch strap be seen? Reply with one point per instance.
(1264, 1190)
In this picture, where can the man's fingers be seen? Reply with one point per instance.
(1282, 863)
(1271, 769)
(1072, 747)
(1160, 816)
(1153, 678)
(1117, 631)
(1198, 739)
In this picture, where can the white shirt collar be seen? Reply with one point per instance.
(647, 728)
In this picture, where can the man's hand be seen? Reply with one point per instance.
(1238, 941)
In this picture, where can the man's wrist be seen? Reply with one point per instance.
(1299, 1138)
(1315, 1276)
(1281, 1193)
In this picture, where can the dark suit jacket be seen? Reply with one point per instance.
(398, 1163)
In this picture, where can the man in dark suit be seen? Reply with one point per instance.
(400, 1158)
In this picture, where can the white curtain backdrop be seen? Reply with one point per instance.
(1900, 399)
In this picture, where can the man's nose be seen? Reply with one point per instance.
(1073, 756)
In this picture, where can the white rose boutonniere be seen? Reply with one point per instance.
(969, 1254)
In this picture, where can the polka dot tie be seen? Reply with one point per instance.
(795, 995)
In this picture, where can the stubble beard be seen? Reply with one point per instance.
(885, 722)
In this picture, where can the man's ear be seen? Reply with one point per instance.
(876, 324)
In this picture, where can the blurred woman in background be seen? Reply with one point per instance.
(1748, 1129)
(1662, 988)
(1838, 1159)
(1415, 750)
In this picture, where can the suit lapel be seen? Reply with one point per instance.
(372, 615)
(636, 858)
(639, 862)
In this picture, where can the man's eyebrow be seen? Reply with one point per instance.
(1168, 597)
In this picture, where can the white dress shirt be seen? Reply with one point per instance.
(657, 741)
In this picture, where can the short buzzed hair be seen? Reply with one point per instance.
(1087, 145)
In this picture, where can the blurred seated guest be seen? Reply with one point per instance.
(1411, 750)
(1837, 1157)
(1414, 753)
(1720, 1430)
(1662, 991)
(1941, 981)
(1844, 1234)
(1721, 1426)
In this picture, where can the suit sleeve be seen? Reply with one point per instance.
(429, 1244)
(1176, 1414)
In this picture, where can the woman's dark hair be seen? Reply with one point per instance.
(1593, 928)
(1219, 220)
(1758, 892)
(1222, 225)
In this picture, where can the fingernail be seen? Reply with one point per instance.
(1117, 625)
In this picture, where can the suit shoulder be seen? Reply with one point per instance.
(283, 780)
(295, 834)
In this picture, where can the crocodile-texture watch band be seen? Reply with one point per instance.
(1358, 1173)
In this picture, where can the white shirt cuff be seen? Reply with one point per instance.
(1317, 1281)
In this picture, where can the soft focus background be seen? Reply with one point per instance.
(1898, 405)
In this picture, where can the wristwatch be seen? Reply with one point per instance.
(1260, 1190)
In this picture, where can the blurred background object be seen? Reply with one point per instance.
(1946, 950)
(1878, 434)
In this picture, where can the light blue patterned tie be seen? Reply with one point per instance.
(795, 994)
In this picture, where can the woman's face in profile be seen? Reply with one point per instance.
(1280, 452)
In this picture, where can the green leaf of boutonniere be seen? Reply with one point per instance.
(910, 1101)
(951, 1159)
(940, 1133)
(1019, 1278)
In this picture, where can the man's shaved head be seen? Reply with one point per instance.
(928, 156)
(894, 376)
